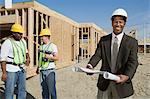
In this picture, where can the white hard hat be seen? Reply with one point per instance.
(120, 12)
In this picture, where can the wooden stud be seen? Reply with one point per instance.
(23, 20)
(6, 13)
(17, 16)
(82, 44)
(88, 43)
(46, 21)
(37, 31)
(30, 35)
(41, 21)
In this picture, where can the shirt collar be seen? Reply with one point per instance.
(119, 36)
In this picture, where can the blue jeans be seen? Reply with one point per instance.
(15, 78)
(48, 84)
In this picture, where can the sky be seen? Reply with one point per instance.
(100, 11)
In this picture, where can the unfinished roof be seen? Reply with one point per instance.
(91, 25)
(41, 8)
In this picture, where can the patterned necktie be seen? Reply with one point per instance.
(114, 55)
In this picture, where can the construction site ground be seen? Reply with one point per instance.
(73, 85)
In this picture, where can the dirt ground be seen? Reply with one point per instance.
(71, 85)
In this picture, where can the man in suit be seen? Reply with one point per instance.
(118, 53)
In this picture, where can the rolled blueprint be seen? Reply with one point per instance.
(105, 74)
(110, 76)
(86, 70)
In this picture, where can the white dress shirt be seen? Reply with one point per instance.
(119, 37)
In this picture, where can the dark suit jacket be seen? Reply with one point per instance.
(127, 62)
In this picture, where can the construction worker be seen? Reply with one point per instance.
(48, 56)
(14, 57)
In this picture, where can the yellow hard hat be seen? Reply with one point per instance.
(45, 32)
(17, 28)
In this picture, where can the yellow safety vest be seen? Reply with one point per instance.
(44, 64)
(19, 51)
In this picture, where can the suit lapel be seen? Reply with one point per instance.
(108, 49)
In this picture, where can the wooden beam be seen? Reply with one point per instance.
(23, 20)
(77, 41)
(6, 13)
(37, 31)
(82, 43)
(41, 21)
(45, 10)
(74, 42)
(7, 19)
(92, 40)
(20, 5)
(46, 21)
(30, 35)
(17, 16)
(88, 50)
(50, 25)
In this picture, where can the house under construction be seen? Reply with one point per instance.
(75, 41)
(89, 36)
